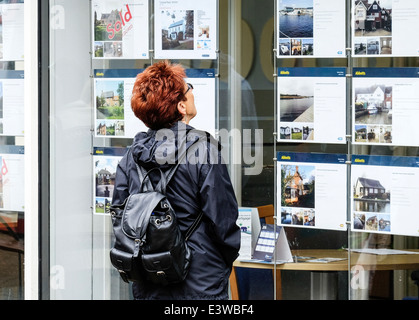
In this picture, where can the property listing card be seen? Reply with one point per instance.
(311, 28)
(312, 190)
(120, 29)
(11, 30)
(312, 105)
(114, 117)
(11, 103)
(105, 162)
(384, 28)
(386, 106)
(12, 178)
(185, 29)
(384, 194)
(203, 81)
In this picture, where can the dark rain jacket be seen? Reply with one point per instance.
(201, 183)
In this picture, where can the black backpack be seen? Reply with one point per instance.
(148, 241)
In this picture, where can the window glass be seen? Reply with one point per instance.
(91, 126)
(12, 151)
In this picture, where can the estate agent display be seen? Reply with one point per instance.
(105, 162)
(386, 109)
(12, 103)
(12, 31)
(383, 28)
(311, 29)
(120, 29)
(12, 195)
(311, 105)
(113, 92)
(341, 106)
(311, 190)
(384, 193)
(185, 29)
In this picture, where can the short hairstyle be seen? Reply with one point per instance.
(156, 94)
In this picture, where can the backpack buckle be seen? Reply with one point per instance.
(140, 242)
(123, 275)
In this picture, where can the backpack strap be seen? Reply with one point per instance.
(194, 226)
(143, 175)
(146, 185)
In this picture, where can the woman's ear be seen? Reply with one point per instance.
(181, 107)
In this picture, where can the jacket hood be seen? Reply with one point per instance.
(162, 147)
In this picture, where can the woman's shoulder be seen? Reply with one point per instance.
(202, 137)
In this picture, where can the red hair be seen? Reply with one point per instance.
(156, 94)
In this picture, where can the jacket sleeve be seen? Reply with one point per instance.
(121, 188)
(219, 205)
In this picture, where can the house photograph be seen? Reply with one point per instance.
(103, 19)
(285, 132)
(99, 49)
(371, 194)
(297, 132)
(371, 223)
(105, 171)
(373, 22)
(377, 222)
(372, 18)
(360, 133)
(369, 189)
(101, 127)
(373, 104)
(102, 205)
(178, 30)
(110, 99)
(298, 186)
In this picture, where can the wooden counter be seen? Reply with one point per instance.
(366, 261)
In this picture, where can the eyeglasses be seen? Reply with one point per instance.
(189, 88)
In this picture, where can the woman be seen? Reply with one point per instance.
(165, 103)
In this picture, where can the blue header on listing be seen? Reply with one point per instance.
(311, 72)
(12, 74)
(109, 151)
(117, 73)
(311, 157)
(386, 72)
(390, 161)
(12, 149)
(132, 73)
